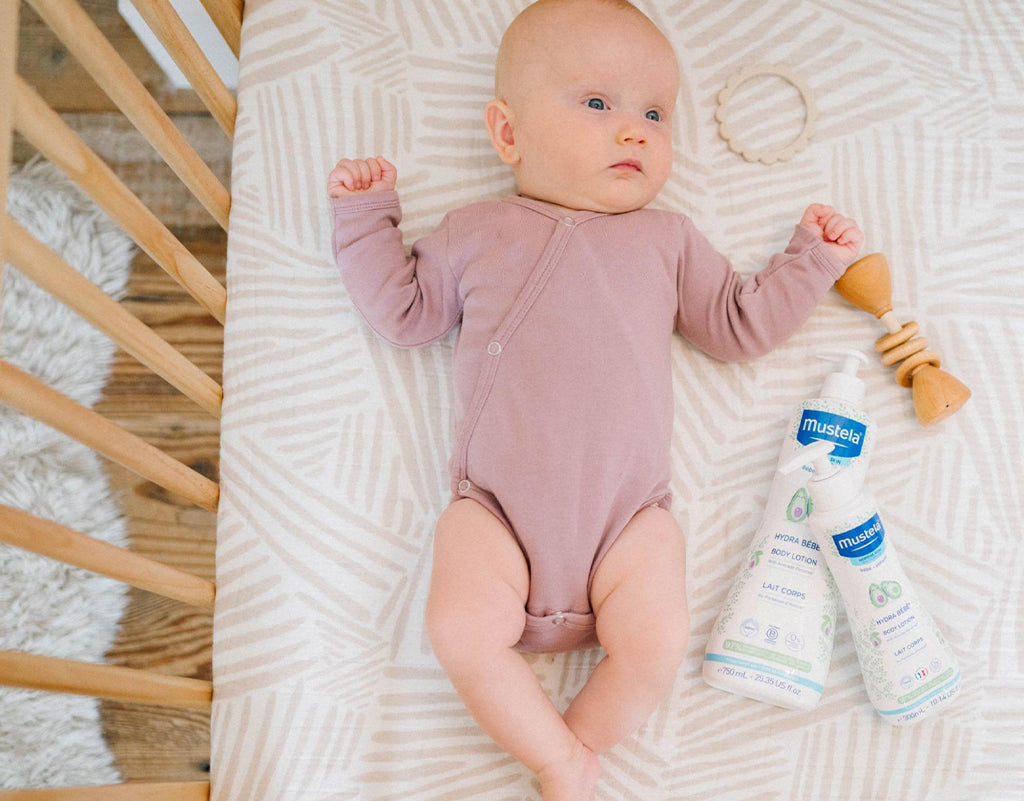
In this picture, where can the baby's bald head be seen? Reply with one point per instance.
(539, 29)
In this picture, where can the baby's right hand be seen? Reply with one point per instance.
(361, 175)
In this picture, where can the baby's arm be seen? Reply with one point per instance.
(735, 319)
(409, 300)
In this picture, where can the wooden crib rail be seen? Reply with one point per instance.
(92, 50)
(34, 398)
(65, 283)
(72, 547)
(227, 16)
(19, 669)
(132, 791)
(52, 137)
(174, 36)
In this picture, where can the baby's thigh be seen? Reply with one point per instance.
(639, 589)
(479, 583)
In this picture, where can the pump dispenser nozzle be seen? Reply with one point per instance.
(832, 485)
(816, 455)
(844, 384)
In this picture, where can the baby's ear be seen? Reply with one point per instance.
(498, 117)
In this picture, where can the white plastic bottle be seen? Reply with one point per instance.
(909, 669)
(772, 640)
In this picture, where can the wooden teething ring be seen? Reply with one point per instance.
(775, 154)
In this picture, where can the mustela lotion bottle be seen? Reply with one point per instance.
(909, 669)
(772, 640)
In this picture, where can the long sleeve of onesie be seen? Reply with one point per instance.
(734, 319)
(409, 300)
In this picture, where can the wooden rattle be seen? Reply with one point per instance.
(936, 394)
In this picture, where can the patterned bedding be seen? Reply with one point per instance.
(335, 443)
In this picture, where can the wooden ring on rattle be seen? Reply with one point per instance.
(901, 352)
(905, 371)
(889, 341)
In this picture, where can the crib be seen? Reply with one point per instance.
(25, 111)
(333, 444)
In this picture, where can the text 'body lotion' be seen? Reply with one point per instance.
(909, 670)
(772, 640)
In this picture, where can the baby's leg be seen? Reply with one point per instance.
(475, 616)
(639, 597)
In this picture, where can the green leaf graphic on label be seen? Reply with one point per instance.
(799, 506)
(878, 596)
(892, 589)
(876, 639)
(826, 625)
(755, 559)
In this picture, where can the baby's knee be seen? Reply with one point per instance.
(657, 649)
(449, 631)
(667, 649)
(464, 637)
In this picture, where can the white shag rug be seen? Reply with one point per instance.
(46, 607)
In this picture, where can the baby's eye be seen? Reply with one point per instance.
(596, 102)
(654, 115)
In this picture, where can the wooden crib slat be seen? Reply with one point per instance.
(69, 286)
(33, 672)
(227, 16)
(52, 137)
(36, 399)
(132, 791)
(58, 542)
(92, 50)
(167, 26)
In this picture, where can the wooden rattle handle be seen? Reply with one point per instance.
(868, 286)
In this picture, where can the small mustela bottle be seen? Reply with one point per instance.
(909, 669)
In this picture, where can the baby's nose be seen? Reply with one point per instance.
(631, 134)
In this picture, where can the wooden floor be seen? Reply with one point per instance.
(151, 743)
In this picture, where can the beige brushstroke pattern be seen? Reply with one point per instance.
(335, 444)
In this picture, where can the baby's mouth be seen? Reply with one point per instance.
(629, 165)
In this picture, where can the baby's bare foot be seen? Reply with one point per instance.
(572, 780)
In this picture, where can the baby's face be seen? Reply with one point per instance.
(592, 114)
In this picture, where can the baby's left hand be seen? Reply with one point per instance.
(841, 234)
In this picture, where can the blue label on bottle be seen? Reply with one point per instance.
(861, 541)
(845, 433)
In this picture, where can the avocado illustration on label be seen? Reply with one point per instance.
(878, 595)
(800, 506)
(876, 639)
(892, 589)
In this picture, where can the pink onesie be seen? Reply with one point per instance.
(562, 368)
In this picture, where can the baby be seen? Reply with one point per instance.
(559, 535)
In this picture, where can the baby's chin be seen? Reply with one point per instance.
(581, 202)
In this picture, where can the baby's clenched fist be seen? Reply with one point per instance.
(350, 176)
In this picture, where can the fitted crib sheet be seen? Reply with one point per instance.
(335, 444)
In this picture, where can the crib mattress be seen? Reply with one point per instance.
(335, 444)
